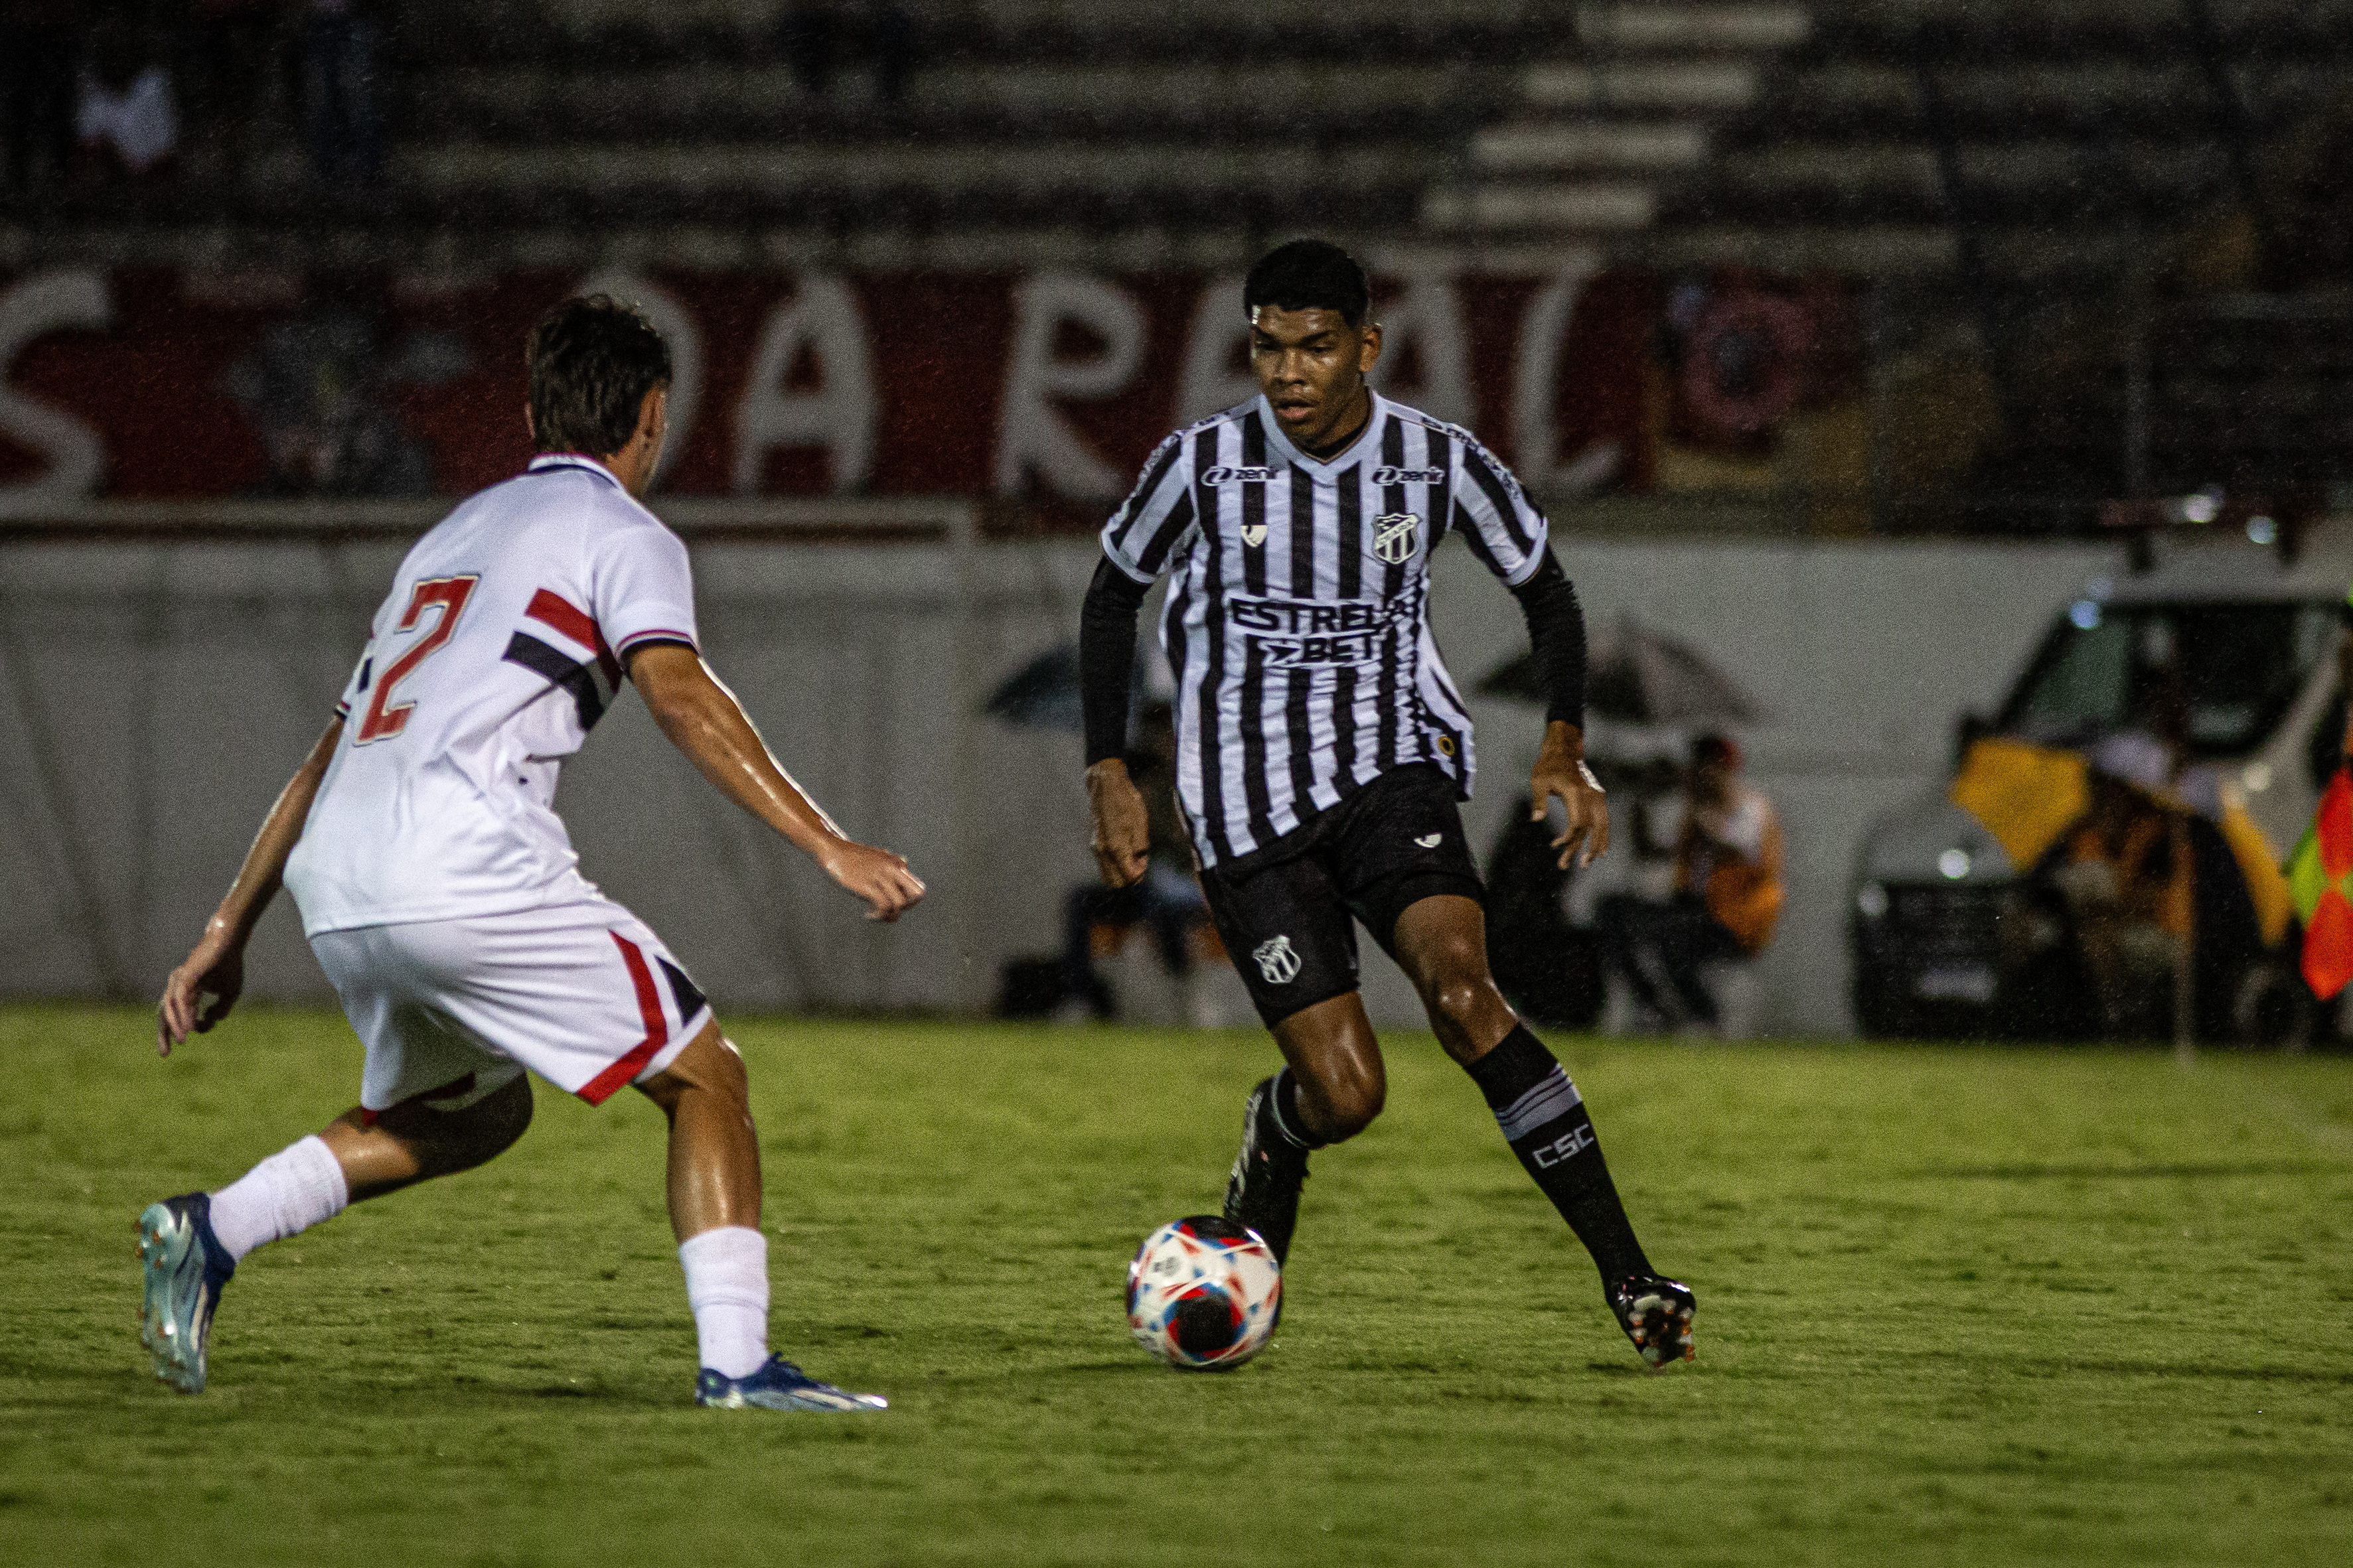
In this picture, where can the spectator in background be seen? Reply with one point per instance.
(1727, 895)
(320, 392)
(1164, 898)
(40, 49)
(810, 32)
(126, 118)
(341, 46)
(230, 43)
(815, 34)
(897, 41)
(2126, 874)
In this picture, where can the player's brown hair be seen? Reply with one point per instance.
(592, 359)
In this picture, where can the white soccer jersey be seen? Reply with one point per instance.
(498, 649)
(1297, 620)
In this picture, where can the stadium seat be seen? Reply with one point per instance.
(1592, 138)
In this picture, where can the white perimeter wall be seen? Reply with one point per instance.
(154, 699)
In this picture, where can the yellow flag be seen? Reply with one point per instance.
(2026, 795)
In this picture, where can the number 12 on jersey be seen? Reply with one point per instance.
(447, 595)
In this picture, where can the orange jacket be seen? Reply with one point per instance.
(1732, 858)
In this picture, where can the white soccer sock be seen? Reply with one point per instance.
(727, 1287)
(291, 1190)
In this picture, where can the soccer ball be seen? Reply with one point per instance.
(1202, 1293)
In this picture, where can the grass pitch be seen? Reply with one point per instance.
(1956, 1307)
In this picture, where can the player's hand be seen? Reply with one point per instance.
(1122, 837)
(878, 876)
(1560, 772)
(201, 990)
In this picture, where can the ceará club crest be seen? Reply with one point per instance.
(1277, 960)
(1395, 535)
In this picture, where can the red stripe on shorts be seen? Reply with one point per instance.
(599, 1089)
(556, 610)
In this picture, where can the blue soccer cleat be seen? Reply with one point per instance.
(778, 1384)
(186, 1266)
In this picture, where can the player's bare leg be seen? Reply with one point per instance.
(384, 1151)
(714, 1210)
(191, 1245)
(1441, 942)
(714, 1151)
(1330, 1090)
(1337, 1062)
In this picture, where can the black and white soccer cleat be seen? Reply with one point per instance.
(1262, 1191)
(1657, 1316)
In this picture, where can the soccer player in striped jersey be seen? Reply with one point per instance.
(1323, 746)
(441, 894)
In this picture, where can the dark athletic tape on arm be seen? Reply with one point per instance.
(1556, 631)
(1107, 657)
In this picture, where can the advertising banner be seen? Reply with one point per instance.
(1047, 387)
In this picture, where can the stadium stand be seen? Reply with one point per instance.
(996, 129)
(2063, 135)
(1591, 136)
(2099, 238)
(2131, 196)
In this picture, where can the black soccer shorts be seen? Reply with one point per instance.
(1284, 911)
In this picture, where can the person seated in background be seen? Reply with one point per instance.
(2125, 879)
(228, 57)
(810, 35)
(40, 40)
(1165, 898)
(1727, 893)
(341, 46)
(815, 35)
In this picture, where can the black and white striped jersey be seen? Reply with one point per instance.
(1297, 622)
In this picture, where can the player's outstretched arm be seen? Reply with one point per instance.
(703, 719)
(206, 985)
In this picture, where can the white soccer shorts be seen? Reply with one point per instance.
(582, 994)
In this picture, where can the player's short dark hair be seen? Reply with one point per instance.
(592, 359)
(1720, 749)
(1308, 275)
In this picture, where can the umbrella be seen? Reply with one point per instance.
(1638, 676)
(1044, 693)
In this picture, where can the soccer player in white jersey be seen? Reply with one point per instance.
(441, 891)
(1323, 746)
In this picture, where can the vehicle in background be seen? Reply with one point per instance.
(2227, 646)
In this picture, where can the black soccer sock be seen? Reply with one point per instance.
(1545, 1120)
(1262, 1192)
(1285, 1103)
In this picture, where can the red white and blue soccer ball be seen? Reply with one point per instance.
(1202, 1293)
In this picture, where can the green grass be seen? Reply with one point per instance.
(1956, 1307)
